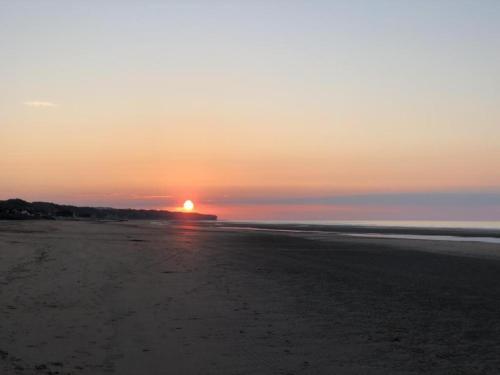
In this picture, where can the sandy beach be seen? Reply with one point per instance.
(90, 297)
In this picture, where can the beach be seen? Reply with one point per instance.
(141, 297)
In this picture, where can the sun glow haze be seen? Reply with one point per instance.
(188, 205)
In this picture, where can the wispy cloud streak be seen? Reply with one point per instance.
(40, 104)
(401, 199)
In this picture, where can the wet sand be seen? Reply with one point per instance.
(362, 229)
(142, 298)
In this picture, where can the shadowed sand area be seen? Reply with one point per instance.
(144, 298)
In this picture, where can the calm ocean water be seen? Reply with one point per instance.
(308, 226)
(386, 223)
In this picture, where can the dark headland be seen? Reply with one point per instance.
(18, 209)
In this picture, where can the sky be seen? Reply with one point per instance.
(282, 110)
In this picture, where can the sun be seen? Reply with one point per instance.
(188, 205)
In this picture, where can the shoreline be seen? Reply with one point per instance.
(364, 229)
(298, 227)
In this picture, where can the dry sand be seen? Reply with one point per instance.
(139, 298)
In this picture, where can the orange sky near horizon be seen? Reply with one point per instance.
(114, 104)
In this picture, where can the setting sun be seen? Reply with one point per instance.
(188, 205)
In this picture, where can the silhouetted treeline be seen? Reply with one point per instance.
(18, 209)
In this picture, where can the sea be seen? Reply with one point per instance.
(308, 225)
(386, 223)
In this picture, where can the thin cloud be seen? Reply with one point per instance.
(40, 104)
(151, 196)
(434, 199)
